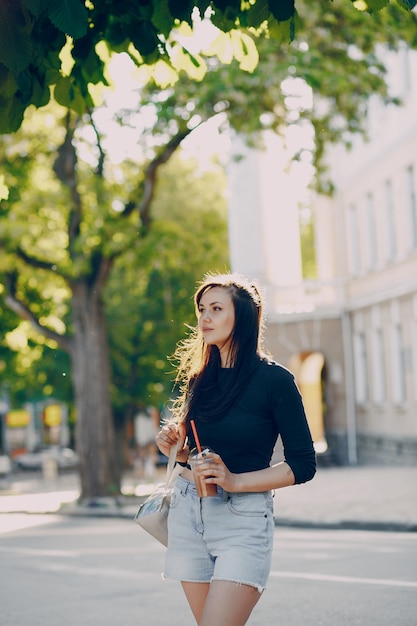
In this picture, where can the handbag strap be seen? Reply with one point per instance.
(171, 474)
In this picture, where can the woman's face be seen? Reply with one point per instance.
(216, 317)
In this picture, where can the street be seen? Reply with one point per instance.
(58, 570)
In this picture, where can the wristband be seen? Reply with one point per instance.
(187, 465)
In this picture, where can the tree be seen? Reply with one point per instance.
(62, 236)
(37, 35)
(8, 357)
(147, 300)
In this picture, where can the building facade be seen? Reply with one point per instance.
(350, 336)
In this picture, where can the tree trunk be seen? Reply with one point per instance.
(95, 438)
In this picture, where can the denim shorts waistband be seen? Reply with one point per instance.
(189, 486)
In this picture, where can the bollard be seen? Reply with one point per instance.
(49, 467)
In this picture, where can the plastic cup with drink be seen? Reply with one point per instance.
(198, 456)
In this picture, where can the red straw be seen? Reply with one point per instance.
(197, 441)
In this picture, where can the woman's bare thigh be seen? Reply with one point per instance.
(196, 594)
(222, 603)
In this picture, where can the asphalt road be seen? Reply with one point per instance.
(63, 571)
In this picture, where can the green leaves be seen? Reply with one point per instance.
(144, 37)
(4, 190)
(282, 10)
(151, 32)
(162, 17)
(69, 95)
(407, 4)
(257, 14)
(372, 6)
(181, 9)
(376, 5)
(69, 16)
(30, 39)
(15, 43)
(11, 114)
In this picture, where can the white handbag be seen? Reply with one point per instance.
(152, 515)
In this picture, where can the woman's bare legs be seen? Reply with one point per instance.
(196, 594)
(221, 603)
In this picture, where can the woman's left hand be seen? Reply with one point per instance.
(214, 471)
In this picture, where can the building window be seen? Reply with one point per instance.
(361, 368)
(406, 68)
(378, 362)
(353, 241)
(370, 214)
(390, 222)
(412, 206)
(399, 366)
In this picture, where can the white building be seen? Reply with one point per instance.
(351, 336)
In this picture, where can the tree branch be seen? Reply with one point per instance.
(150, 178)
(25, 313)
(65, 169)
(102, 155)
(101, 267)
(38, 263)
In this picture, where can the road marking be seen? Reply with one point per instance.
(96, 571)
(49, 502)
(12, 522)
(19, 551)
(346, 579)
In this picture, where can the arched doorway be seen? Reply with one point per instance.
(307, 368)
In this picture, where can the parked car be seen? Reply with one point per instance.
(65, 458)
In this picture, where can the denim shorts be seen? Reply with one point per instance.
(224, 537)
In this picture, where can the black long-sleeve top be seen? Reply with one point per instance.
(245, 436)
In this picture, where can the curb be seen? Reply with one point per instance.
(371, 525)
(125, 507)
(120, 512)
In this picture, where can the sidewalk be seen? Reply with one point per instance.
(373, 498)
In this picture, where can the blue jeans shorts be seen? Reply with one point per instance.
(224, 537)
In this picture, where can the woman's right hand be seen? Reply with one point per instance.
(168, 436)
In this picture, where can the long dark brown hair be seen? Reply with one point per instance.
(199, 364)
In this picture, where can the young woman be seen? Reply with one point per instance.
(240, 401)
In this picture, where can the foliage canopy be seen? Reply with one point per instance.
(38, 37)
